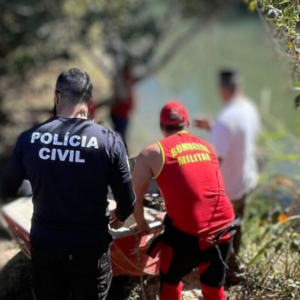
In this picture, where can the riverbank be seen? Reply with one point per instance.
(270, 252)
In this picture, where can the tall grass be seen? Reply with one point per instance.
(271, 244)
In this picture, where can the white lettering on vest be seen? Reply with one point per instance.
(35, 136)
(73, 142)
(77, 157)
(83, 141)
(62, 155)
(55, 140)
(93, 143)
(46, 138)
(53, 154)
(42, 155)
(66, 139)
(71, 158)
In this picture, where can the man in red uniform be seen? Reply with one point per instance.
(199, 215)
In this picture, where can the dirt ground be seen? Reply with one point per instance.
(16, 281)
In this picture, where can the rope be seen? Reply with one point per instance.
(139, 265)
(128, 260)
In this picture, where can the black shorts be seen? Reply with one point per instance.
(85, 274)
(180, 254)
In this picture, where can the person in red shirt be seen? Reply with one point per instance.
(121, 102)
(124, 101)
(199, 215)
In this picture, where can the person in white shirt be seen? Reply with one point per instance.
(234, 136)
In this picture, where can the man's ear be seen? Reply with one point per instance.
(56, 97)
(90, 101)
(162, 131)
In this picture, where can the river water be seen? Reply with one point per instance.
(191, 77)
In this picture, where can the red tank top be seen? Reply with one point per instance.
(123, 107)
(191, 184)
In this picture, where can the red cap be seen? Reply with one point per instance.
(174, 114)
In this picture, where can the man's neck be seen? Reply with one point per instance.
(79, 111)
(176, 132)
(233, 97)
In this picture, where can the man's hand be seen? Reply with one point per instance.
(205, 124)
(114, 222)
(142, 225)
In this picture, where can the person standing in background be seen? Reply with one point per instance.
(234, 137)
(122, 101)
(123, 105)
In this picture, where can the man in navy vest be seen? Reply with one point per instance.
(70, 162)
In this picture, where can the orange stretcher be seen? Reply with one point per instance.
(128, 250)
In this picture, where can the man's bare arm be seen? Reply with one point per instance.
(204, 123)
(141, 178)
(147, 164)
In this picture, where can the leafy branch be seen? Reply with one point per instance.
(282, 18)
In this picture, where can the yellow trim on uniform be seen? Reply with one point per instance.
(163, 158)
(182, 131)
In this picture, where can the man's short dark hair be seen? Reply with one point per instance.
(230, 79)
(74, 86)
(172, 129)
